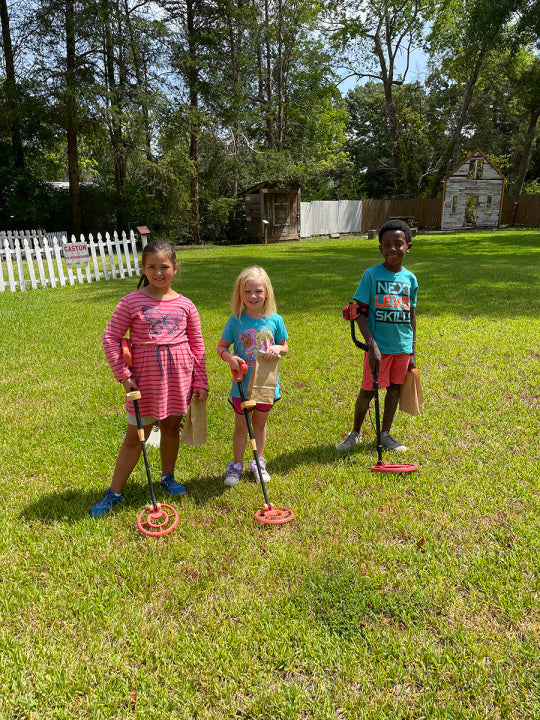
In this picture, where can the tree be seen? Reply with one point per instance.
(464, 39)
(375, 39)
(10, 89)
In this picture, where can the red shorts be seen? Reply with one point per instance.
(237, 406)
(392, 370)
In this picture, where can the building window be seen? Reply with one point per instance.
(489, 204)
(454, 204)
(476, 169)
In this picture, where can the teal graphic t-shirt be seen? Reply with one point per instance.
(390, 297)
(248, 336)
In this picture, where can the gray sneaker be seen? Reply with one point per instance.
(352, 439)
(388, 442)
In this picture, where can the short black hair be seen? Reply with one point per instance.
(396, 225)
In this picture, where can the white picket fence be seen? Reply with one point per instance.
(38, 260)
(324, 217)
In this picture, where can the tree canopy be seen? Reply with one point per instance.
(159, 113)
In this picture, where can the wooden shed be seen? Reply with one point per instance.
(473, 194)
(273, 211)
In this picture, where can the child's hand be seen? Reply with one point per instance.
(412, 362)
(273, 352)
(374, 356)
(130, 385)
(235, 362)
(200, 394)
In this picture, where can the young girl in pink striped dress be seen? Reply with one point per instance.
(169, 366)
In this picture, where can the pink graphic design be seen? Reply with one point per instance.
(254, 340)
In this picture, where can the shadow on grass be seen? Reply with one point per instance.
(72, 505)
(325, 454)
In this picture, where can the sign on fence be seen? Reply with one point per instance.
(76, 253)
(40, 262)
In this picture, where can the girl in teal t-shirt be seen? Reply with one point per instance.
(254, 329)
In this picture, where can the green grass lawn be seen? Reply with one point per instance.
(389, 596)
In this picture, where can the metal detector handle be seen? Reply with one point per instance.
(238, 375)
(126, 351)
(351, 313)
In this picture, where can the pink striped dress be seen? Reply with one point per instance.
(168, 351)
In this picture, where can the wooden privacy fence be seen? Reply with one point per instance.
(521, 210)
(40, 262)
(427, 212)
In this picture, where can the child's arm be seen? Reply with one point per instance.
(374, 354)
(412, 361)
(224, 353)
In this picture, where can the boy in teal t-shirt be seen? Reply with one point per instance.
(387, 298)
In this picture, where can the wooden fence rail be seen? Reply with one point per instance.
(40, 262)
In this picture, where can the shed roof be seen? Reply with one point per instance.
(272, 185)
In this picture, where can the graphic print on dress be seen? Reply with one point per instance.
(255, 340)
(160, 323)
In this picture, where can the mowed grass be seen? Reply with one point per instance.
(390, 596)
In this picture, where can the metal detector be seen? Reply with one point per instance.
(350, 313)
(269, 514)
(157, 519)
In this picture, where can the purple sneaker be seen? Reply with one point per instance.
(234, 470)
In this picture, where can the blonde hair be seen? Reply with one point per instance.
(252, 273)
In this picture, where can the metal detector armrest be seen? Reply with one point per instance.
(351, 312)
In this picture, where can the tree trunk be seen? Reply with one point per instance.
(525, 156)
(268, 83)
(280, 89)
(11, 89)
(72, 122)
(194, 219)
(435, 183)
(116, 133)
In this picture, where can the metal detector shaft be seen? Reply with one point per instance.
(134, 395)
(252, 440)
(364, 347)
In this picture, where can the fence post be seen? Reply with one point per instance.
(59, 265)
(119, 254)
(30, 263)
(48, 258)
(2, 281)
(127, 253)
(92, 246)
(110, 250)
(41, 269)
(135, 253)
(20, 266)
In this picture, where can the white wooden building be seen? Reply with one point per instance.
(473, 194)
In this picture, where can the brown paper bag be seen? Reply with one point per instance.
(263, 381)
(194, 432)
(411, 398)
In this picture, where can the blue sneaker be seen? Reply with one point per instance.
(171, 486)
(106, 505)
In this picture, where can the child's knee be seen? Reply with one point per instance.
(364, 398)
(393, 390)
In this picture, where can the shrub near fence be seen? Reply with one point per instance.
(40, 262)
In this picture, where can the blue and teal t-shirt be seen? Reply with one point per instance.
(389, 297)
(248, 336)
